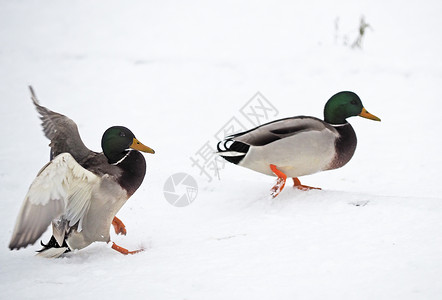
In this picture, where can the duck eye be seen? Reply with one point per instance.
(353, 102)
(122, 133)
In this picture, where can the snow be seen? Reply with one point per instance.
(174, 73)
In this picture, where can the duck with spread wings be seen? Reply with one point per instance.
(79, 191)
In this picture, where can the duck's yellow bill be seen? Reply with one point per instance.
(365, 114)
(137, 145)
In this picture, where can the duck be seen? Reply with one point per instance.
(79, 191)
(300, 145)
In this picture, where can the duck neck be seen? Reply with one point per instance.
(120, 160)
(116, 157)
(334, 118)
(133, 166)
(345, 145)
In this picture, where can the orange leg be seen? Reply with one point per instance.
(280, 182)
(297, 184)
(119, 226)
(124, 250)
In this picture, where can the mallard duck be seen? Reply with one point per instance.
(79, 191)
(299, 145)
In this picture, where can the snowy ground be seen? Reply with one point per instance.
(175, 73)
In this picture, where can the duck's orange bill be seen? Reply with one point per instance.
(365, 114)
(137, 145)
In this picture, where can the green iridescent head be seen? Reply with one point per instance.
(344, 105)
(117, 140)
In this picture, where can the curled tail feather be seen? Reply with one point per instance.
(232, 151)
(52, 249)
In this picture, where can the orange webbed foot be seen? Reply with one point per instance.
(119, 226)
(297, 184)
(124, 250)
(280, 182)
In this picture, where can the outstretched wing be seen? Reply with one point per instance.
(270, 132)
(62, 188)
(62, 131)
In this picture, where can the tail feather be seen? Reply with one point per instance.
(232, 151)
(52, 249)
(52, 252)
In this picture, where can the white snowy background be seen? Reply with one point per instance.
(175, 72)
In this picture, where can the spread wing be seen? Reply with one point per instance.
(62, 188)
(270, 132)
(62, 131)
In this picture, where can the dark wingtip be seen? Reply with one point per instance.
(15, 246)
(33, 95)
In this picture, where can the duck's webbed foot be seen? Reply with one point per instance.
(297, 184)
(124, 250)
(119, 226)
(280, 182)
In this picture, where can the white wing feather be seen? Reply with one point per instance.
(62, 188)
